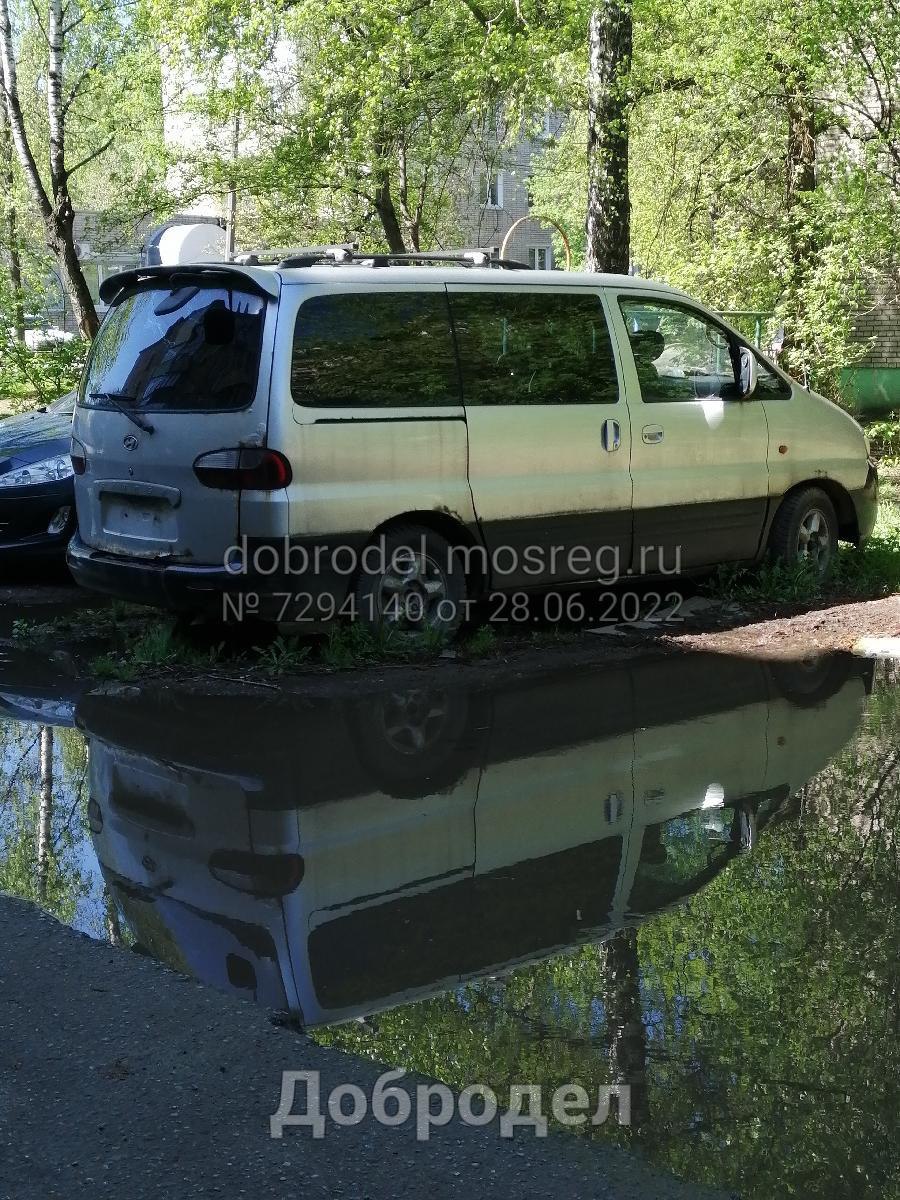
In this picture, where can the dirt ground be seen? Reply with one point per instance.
(703, 625)
(839, 627)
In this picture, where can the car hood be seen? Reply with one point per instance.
(34, 436)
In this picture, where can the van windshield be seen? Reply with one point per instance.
(181, 349)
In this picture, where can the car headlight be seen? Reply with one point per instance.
(48, 470)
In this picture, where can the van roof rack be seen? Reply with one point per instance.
(468, 258)
(349, 253)
(301, 256)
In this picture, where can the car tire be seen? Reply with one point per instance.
(805, 529)
(415, 587)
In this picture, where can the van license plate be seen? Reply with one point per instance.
(144, 520)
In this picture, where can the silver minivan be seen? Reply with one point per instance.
(343, 435)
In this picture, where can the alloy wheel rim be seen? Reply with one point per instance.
(413, 721)
(814, 539)
(411, 592)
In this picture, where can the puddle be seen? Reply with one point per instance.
(678, 873)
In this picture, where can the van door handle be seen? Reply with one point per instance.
(652, 433)
(610, 435)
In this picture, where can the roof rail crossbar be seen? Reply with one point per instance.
(308, 256)
(469, 258)
(349, 252)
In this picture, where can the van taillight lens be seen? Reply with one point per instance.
(243, 469)
(265, 875)
(78, 456)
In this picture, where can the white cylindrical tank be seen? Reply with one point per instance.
(191, 244)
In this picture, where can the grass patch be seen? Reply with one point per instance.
(158, 647)
(482, 641)
(282, 656)
(350, 646)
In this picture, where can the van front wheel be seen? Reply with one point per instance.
(805, 530)
(410, 583)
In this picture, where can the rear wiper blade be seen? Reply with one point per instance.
(115, 398)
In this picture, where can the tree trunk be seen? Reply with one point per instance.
(56, 213)
(624, 1019)
(800, 182)
(113, 924)
(61, 240)
(11, 223)
(608, 204)
(387, 214)
(45, 809)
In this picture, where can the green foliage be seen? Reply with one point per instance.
(884, 436)
(715, 90)
(32, 377)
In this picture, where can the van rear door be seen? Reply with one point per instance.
(179, 370)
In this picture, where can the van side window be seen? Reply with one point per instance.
(533, 348)
(679, 354)
(768, 383)
(374, 350)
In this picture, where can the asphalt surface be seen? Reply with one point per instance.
(120, 1078)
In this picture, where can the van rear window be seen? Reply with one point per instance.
(374, 350)
(182, 349)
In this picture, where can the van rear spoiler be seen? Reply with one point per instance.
(264, 283)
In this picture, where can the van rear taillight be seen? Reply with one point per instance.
(78, 457)
(243, 469)
(264, 875)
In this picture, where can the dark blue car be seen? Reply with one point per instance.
(37, 504)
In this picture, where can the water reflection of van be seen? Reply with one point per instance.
(335, 857)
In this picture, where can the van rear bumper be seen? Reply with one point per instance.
(179, 587)
(165, 585)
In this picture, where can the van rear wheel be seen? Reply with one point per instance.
(412, 585)
(805, 530)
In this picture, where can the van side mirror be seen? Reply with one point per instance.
(748, 373)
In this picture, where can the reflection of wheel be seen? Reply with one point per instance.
(805, 530)
(415, 586)
(412, 721)
(809, 681)
(414, 742)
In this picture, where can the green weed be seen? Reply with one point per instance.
(483, 641)
(282, 656)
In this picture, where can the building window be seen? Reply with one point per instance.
(492, 190)
(540, 258)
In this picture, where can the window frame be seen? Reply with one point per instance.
(491, 177)
(536, 250)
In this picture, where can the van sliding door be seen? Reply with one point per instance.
(549, 438)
